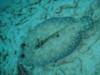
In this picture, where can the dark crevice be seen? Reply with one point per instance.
(22, 70)
(23, 45)
(22, 55)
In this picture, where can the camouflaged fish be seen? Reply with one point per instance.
(54, 39)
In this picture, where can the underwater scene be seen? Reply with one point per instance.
(49, 37)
